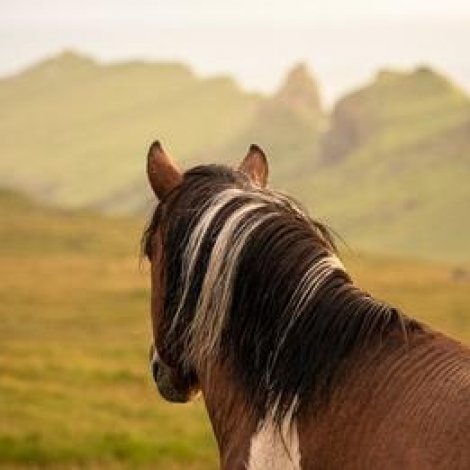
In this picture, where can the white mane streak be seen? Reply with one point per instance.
(216, 294)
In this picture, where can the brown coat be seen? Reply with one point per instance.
(408, 408)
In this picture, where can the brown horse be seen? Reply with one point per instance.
(299, 368)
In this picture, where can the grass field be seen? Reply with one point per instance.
(74, 335)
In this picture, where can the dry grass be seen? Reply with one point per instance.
(74, 335)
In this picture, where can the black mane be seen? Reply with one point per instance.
(285, 365)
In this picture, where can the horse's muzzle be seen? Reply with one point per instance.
(163, 377)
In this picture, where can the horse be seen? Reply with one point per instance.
(298, 367)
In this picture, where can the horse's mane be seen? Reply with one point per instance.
(251, 279)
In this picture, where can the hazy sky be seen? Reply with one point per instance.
(194, 11)
(343, 41)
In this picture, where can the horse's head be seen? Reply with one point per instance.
(251, 305)
(177, 378)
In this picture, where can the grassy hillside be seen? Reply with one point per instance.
(74, 335)
(388, 169)
(74, 132)
(288, 126)
(395, 167)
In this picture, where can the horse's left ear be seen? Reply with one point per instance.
(255, 165)
(162, 173)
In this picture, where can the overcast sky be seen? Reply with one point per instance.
(344, 41)
(194, 11)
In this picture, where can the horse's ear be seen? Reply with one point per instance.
(162, 173)
(255, 165)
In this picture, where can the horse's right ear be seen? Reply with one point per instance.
(162, 173)
(255, 165)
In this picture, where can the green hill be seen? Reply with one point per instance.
(395, 166)
(74, 132)
(388, 168)
(288, 126)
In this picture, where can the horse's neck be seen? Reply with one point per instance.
(402, 407)
(383, 398)
(233, 424)
(244, 442)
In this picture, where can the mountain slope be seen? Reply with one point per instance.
(395, 165)
(74, 132)
(288, 126)
(388, 169)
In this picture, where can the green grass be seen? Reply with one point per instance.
(74, 338)
(74, 335)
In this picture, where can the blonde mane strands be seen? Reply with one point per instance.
(217, 290)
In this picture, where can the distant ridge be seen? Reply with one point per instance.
(415, 104)
(87, 125)
(288, 125)
(395, 165)
(388, 168)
